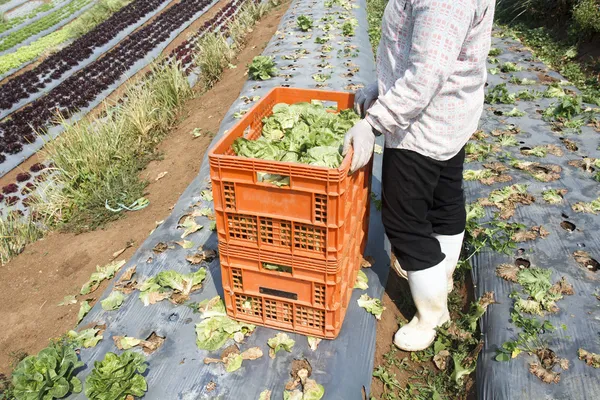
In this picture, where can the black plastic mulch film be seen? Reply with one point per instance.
(176, 370)
(580, 312)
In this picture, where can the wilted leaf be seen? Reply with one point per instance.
(190, 226)
(441, 359)
(367, 262)
(562, 287)
(105, 272)
(206, 195)
(313, 342)
(281, 341)
(361, 281)
(68, 300)
(113, 301)
(373, 306)
(265, 395)
(233, 362)
(546, 376)
(125, 342)
(84, 308)
(161, 175)
(186, 244)
(508, 272)
(86, 338)
(591, 359)
(160, 247)
(252, 353)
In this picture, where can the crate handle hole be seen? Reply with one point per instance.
(278, 293)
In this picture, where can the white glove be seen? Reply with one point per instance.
(362, 139)
(364, 98)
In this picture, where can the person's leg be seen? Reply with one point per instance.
(448, 215)
(408, 182)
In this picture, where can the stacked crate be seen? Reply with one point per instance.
(289, 253)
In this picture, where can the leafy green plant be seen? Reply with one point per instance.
(302, 132)
(554, 90)
(510, 67)
(262, 68)
(515, 112)
(500, 94)
(566, 109)
(524, 81)
(494, 52)
(304, 23)
(530, 340)
(47, 375)
(116, 377)
(586, 14)
(527, 95)
(42, 24)
(348, 28)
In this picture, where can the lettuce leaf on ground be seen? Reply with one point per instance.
(281, 341)
(171, 284)
(373, 306)
(102, 273)
(216, 327)
(362, 282)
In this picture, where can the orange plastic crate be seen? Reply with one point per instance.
(309, 217)
(315, 229)
(297, 298)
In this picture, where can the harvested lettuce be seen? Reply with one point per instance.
(302, 133)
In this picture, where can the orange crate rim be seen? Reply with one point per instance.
(221, 153)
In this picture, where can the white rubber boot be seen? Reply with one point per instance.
(451, 246)
(430, 295)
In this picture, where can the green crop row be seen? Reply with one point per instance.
(41, 25)
(86, 22)
(11, 23)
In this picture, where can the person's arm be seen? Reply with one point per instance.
(440, 29)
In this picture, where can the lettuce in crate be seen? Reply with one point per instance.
(303, 133)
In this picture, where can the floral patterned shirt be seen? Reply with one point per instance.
(431, 70)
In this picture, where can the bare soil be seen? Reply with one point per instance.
(400, 308)
(50, 269)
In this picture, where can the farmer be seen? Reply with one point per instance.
(427, 101)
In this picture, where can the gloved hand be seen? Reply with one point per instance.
(364, 98)
(362, 139)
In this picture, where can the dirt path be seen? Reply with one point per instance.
(47, 271)
(400, 308)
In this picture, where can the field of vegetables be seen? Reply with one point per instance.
(107, 224)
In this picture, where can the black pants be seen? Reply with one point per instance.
(421, 196)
